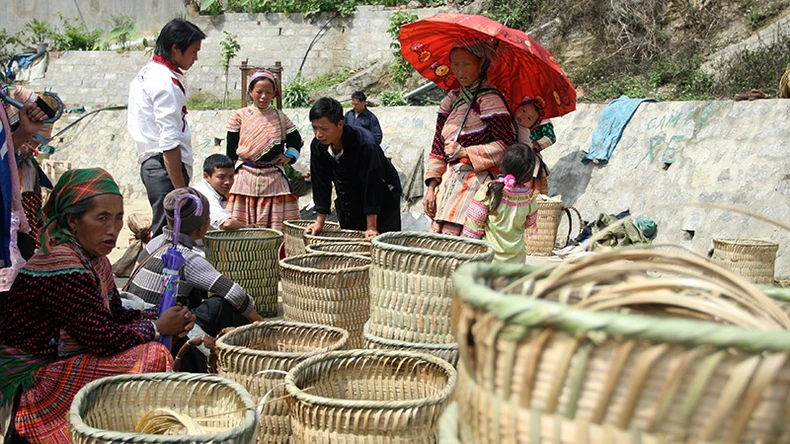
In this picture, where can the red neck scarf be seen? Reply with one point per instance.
(170, 65)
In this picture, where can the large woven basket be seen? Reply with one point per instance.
(328, 289)
(108, 410)
(448, 352)
(410, 286)
(258, 355)
(249, 257)
(363, 248)
(335, 235)
(753, 259)
(293, 234)
(534, 370)
(369, 396)
(542, 242)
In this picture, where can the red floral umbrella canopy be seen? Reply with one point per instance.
(522, 67)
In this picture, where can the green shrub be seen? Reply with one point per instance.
(392, 97)
(202, 100)
(38, 31)
(123, 31)
(760, 16)
(400, 69)
(324, 81)
(760, 68)
(8, 47)
(75, 35)
(295, 93)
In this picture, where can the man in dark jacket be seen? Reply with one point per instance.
(349, 158)
(361, 116)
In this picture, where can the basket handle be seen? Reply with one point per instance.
(209, 342)
(567, 211)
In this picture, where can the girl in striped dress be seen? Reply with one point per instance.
(473, 128)
(504, 209)
(262, 140)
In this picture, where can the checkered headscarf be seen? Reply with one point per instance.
(73, 187)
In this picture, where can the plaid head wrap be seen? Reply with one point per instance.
(262, 74)
(74, 186)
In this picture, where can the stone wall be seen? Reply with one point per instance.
(670, 155)
(101, 78)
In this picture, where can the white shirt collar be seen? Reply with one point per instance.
(332, 153)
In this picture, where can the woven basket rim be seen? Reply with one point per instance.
(380, 242)
(230, 234)
(536, 313)
(746, 243)
(223, 345)
(78, 425)
(296, 223)
(359, 235)
(285, 263)
(340, 244)
(396, 343)
(442, 396)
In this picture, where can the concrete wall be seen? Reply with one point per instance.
(150, 15)
(101, 78)
(718, 152)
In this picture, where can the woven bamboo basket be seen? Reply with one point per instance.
(542, 242)
(697, 355)
(335, 235)
(410, 286)
(448, 425)
(249, 257)
(108, 410)
(293, 235)
(448, 352)
(328, 289)
(753, 259)
(273, 346)
(363, 248)
(369, 396)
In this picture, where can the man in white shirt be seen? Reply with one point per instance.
(157, 115)
(218, 178)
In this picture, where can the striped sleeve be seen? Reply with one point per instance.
(199, 273)
(476, 215)
(234, 122)
(531, 223)
(499, 126)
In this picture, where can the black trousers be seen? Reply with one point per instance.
(213, 315)
(352, 217)
(157, 185)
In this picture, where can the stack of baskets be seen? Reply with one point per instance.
(335, 235)
(753, 259)
(542, 242)
(109, 409)
(293, 233)
(250, 258)
(369, 396)
(411, 290)
(637, 359)
(363, 248)
(258, 355)
(328, 289)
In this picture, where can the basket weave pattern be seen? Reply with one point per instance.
(542, 242)
(753, 259)
(534, 370)
(249, 257)
(108, 409)
(448, 352)
(363, 248)
(328, 289)
(273, 345)
(411, 291)
(369, 396)
(293, 235)
(335, 235)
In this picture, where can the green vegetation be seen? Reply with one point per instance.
(295, 93)
(76, 36)
(202, 100)
(326, 80)
(400, 69)
(123, 31)
(393, 97)
(230, 47)
(308, 8)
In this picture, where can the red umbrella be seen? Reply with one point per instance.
(522, 67)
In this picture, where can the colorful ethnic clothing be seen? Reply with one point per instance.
(43, 409)
(539, 138)
(487, 131)
(504, 227)
(261, 195)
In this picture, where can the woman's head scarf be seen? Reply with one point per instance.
(479, 49)
(73, 187)
(262, 74)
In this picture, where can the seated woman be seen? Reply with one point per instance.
(63, 325)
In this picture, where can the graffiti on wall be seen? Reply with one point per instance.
(668, 135)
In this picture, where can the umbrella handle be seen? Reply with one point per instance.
(177, 224)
